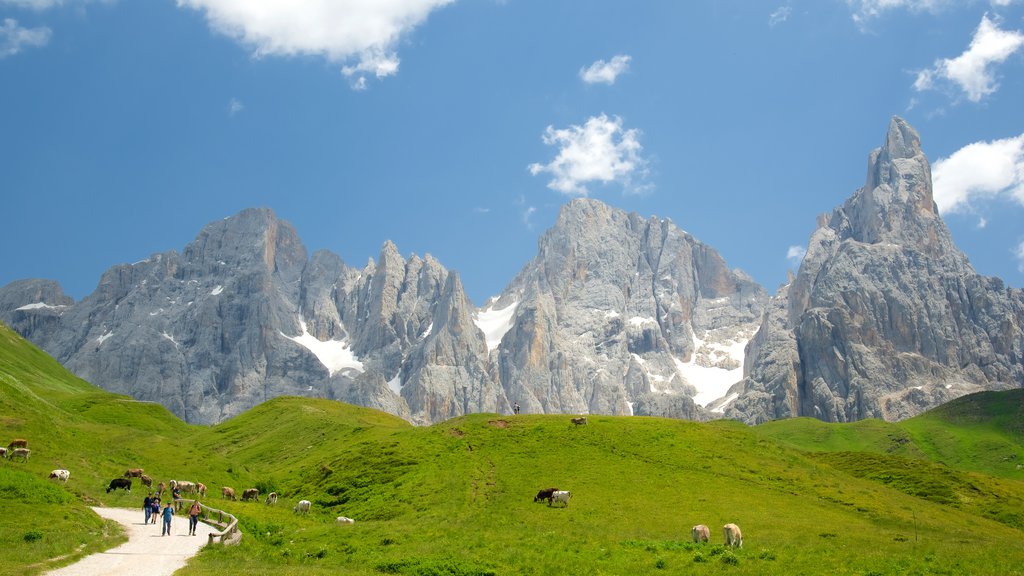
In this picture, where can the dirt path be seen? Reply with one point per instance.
(146, 551)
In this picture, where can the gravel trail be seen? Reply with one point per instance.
(146, 552)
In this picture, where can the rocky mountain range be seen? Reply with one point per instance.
(616, 314)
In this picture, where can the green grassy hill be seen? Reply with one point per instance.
(457, 498)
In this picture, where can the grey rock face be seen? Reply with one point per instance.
(885, 318)
(616, 315)
(621, 315)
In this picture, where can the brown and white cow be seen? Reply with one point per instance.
(581, 421)
(22, 453)
(160, 488)
(133, 473)
(201, 489)
(251, 494)
(733, 536)
(227, 492)
(3, 452)
(700, 533)
(61, 475)
(271, 498)
(17, 443)
(146, 481)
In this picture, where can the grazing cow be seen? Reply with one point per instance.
(201, 489)
(133, 473)
(146, 481)
(251, 494)
(733, 536)
(271, 498)
(3, 452)
(123, 483)
(344, 520)
(160, 488)
(22, 453)
(184, 487)
(581, 421)
(560, 496)
(302, 507)
(17, 443)
(544, 494)
(226, 492)
(700, 533)
(61, 475)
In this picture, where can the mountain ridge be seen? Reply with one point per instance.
(616, 314)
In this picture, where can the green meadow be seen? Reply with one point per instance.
(936, 494)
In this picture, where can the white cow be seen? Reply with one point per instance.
(733, 536)
(61, 475)
(344, 520)
(271, 498)
(3, 452)
(700, 533)
(22, 453)
(560, 496)
(302, 507)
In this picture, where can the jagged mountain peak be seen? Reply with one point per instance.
(885, 317)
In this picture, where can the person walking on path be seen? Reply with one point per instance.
(155, 512)
(147, 506)
(168, 514)
(193, 517)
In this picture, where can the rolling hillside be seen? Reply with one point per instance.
(456, 498)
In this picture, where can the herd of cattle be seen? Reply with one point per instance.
(19, 448)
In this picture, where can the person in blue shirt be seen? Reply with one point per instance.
(168, 514)
(147, 506)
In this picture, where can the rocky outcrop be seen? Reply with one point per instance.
(616, 315)
(885, 318)
(622, 315)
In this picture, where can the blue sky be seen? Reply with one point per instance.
(458, 128)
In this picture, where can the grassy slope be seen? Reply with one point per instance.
(456, 498)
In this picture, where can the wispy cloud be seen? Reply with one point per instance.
(780, 15)
(866, 10)
(979, 172)
(972, 71)
(599, 151)
(14, 38)
(605, 72)
(41, 5)
(795, 255)
(1018, 252)
(361, 35)
(235, 106)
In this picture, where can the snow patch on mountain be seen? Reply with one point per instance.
(495, 323)
(335, 355)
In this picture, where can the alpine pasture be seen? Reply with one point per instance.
(923, 496)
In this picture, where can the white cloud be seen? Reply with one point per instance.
(361, 34)
(599, 151)
(796, 254)
(866, 10)
(780, 15)
(32, 4)
(605, 72)
(235, 106)
(972, 70)
(527, 213)
(1019, 253)
(41, 5)
(14, 38)
(977, 172)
